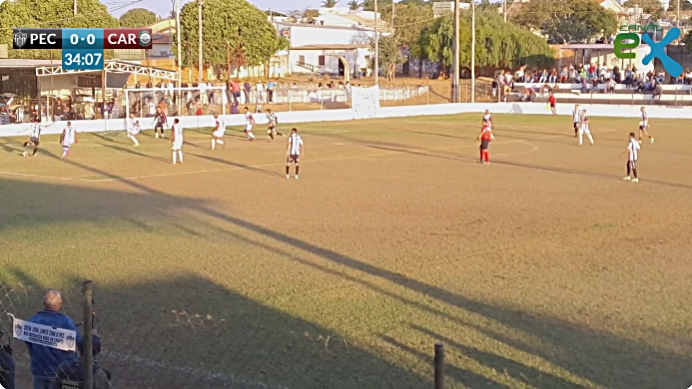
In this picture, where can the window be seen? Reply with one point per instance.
(320, 60)
(301, 59)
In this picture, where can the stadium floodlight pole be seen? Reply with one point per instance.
(201, 45)
(455, 61)
(377, 48)
(473, 51)
(178, 39)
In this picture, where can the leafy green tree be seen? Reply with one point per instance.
(409, 20)
(389, 55)
(353, 5)
(329, 3)
(50, 14)
(498, 44)
(685, 5)
(229, 23)
(567, 21)
(138, 17)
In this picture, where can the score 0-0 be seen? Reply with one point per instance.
(82, 49)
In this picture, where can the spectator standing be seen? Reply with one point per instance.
(271, 85)
(70, 374)
(46, 360)
(235, 88)
(260, 92)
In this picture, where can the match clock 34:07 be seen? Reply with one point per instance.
(82, 59)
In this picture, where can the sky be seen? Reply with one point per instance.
(164, 7)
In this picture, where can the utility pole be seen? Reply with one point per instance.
(678, 13)
(377, 48)
(74, 7)
(473, 51)
(178, 31)
(455, 62)
(201, 45)
(504, 9)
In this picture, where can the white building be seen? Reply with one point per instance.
(338, 41)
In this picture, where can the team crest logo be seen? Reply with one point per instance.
(18, 330)
(20, 39)
(144, 38)
(69, 340)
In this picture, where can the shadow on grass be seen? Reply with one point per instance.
(238, 165)
(234, 335)
(189, 332)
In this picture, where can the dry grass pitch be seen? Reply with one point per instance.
(542, 270)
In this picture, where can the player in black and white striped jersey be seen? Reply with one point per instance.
(644, 125)
(272, 125)
(35, 137)
(294, 149)
(632, 154)
(576, 119)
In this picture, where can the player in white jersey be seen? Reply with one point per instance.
(133, 129)
(34, 138)
(584, 127)
(488, 119)
(644, 125)
(294, 149)
(576, 119)
(219, 131)
(632, 154)
(67, 139)
(249, 124)
(177, 141)
(272, 125)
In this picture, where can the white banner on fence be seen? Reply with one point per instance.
(48, 336)
(365, 101)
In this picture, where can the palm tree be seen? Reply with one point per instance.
(353, 5)
(329, 3)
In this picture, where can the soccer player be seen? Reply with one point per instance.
(576, 119)
(485, 137)
(294, 149)
(644, 125)
(487, 118)
(34, 138)
(159, 122)
(67, 139)
(177, 141)
(219, 131)
(584, 128)
(272, 124)
(249, 124)
(632, 153)
(551, 101)
(133, 129)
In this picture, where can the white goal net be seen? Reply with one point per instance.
(195, 101)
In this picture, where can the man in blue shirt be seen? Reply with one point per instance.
(46, 360)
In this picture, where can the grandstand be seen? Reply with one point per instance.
(676, 95)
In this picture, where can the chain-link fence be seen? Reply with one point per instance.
(137, 346)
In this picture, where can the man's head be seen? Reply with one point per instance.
(216, 115)
(52, 300)
(643, 109)
(69, 124)
(132, 116)
(269, 110)
(632, 136)
(176, 121)
(246, 109)
(294, 130)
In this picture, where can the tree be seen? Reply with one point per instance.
(329, 3)
(499, 44)
(409, 20)
(648, 6)
(685, 5)
(229, 24)
(567, 21)
(353, 5)
(389, 55)
(53, 14)
(138, 17)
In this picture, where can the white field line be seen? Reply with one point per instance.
(235, 168)
(228, 378)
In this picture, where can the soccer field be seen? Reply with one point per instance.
(541, 270)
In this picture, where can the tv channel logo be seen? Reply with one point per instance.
(628, 38)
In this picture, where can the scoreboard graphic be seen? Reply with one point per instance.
(82, 48)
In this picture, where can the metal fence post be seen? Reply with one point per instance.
(87, 346)
(439, 366)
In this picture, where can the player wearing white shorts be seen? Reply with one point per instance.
(488, 119)
(177, 141)
(133, 129)
(576, 119)
(632, 154)
(249, 124)
(584, 127)
(644, 125)
(67, 139)
(294, 149)
(272, 125)
(219, 132)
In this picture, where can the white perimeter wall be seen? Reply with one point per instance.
(384, 112)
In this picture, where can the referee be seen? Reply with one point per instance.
(632, 153)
